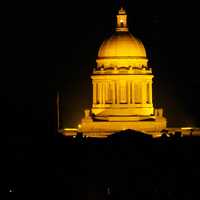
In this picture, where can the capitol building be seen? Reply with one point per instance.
(122, 88)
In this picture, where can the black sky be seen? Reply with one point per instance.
(53, 47)
(58, 44)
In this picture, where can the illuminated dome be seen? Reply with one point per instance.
(122, 49)
(122, 44)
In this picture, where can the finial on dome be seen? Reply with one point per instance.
(122, 19)
(122, 4)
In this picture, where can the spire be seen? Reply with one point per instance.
(122, 4)
(122, 19)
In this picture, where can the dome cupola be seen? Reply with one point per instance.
(122, 49)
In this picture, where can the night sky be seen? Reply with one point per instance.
(169, 35)
(55, 49)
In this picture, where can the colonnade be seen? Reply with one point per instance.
(122, 92)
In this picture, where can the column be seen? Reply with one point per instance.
(97, 87)
(99, 92)
(133, 93)
(123, 91)
(113, 93)
(117, 92)
(129, 91)
(94, 92)
(106, 91)
(103, 93)
(147, 86)
(150, 92)
(143, 84)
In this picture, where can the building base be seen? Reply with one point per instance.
(96, 127)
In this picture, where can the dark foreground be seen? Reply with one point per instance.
(121, 167)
